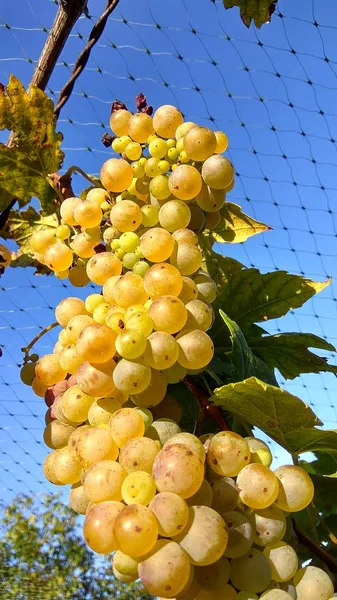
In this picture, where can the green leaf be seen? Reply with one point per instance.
(290, 354)
(324, 464)
(311, 439)
(241, 355)
(235, 226)
(325, 493)
(248, 296)
(220, 268)
(36, 150)
(188, 404)
(22, 224)
(259, 11)
(267, 407)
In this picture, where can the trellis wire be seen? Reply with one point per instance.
(272, 90)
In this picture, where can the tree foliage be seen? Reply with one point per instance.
(43, 556)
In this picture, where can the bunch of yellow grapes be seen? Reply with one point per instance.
(191, 518)
(171, 176)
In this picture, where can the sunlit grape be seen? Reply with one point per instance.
(132, 377)
(187, 258)
(67, 209)
(94, 444)
(130, 343)
(228, 453)
(101, 410)
(166, 571)
(58, 257)
(98, 527)
(75, 404)
(217, 172)
(102, 266)
(185, 182)
(138, 488)
(269, 524)
(207, 525)
(283, 561)
(199, 143)
(259, 451)
(258, 486)
(96, 343)
(82, 247)
(129, 290)
(296, 489)
(77, 499)
(103, 481)
(312, 583)
(136, 530)
(95, 379)
(119, 121)
(126, 215)
(125, 424)
(221, 142)
(168, 314)
(166, 120)
(157, 244)
(176, 469)
(140, 127)
(48, 370)
(174, 215)
(56, 434)
(116, 175)
(155, 391)
(195, 349)
(76, 326)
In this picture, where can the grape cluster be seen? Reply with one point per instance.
(197, 519)
(171, 175)
(5, 258)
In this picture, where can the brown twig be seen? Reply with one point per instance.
(209, 409)
(315, 549)
(83, 58)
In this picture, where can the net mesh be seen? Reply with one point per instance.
(271, 90)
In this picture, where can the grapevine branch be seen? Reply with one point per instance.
(207, 407)
(38, 336)
(83, 58)
(315, 549)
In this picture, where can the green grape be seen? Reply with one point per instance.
(174, 374)
(96, 343)
(129, 241)
(129, 260)
(100, 312)
(183, 158)
(259, 451)
(132, 376)
(42, 239)
(77, 499)
(119, 253)
(103, 481)
(48, 468)
(198, 219)
(225, 494)
(93, 445)
(62, 232)
(217, 172)
(228, 453)
(138, 488)
(258, 486)
(119, 144)
(176, 469)
(96, 379)
(126, 216)
(75, 404)
(136, 530)
(163, 166)
(27, 373)
(126, 424)
(173, 154)
(138, 169)
(171, 512)
(209, 200)
(134, 309)
(174, 215)
(56, 434)
(163, 279)
(189, 440)
(130, 343)
(166, 120)
(150, 215)
(189, 290)
(168, 314)
(76, 326)
(154, 393)
(207, 525)
(251, 572)
(98, 527)
(110, 236)
(166, 571)
(215, 577)
(185, 182)
(66, 468)
(161, 351)
(187, 258)
(203, 497)
(58, 257)
(116, 321)
(82, 247)
(159, 188)
(200, 315)
(269, 524)
(283, 561)
(62, 274)
(276, 594)
(246, 596)
(88, 214)
(141, 267)
(93, 234)
(157, 244)
(102, 266)
(116, 175)
(129, 290)
(58, 414)
(125, 565)
(185, 236)
(49, 371)
(312, 583)
(140, 321)
(296, 489)
(146, 415)
(163, 429)
(140, 126)
(221, 146)
(240, 534)
(108, 289)
(158, 148)
(195, 349)
(199, 143)
(92, 302)
(138, 454)
(151, 167)
(101, 410)
(133, 151)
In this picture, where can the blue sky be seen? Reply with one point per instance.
(274, 93)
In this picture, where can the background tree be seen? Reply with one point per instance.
(43, 556)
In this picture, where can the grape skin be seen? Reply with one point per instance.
(138, 454)
(154, 393)
(251, 572)
(206, 524)
(296, 488)
(283, 560)
(136, 530)
(171, 512)
(126, 424)
(176, 469)
(98, 526)
(258, 486)
(312, 583)
(166, 571)
(240, 534)
(163, 429)
(138, 488)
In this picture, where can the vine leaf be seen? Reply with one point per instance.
(245, 364)
(312, 440)
(290, 354)
(259, 11)
(35, 152)
(267, 407)
(235, 226)
(248, 296)
(220, 268)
